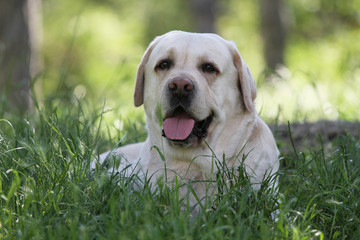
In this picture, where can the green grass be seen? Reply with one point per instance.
(47, 190)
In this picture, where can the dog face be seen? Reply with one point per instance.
(190, 84)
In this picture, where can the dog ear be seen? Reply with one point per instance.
(247, 83)
(140, 75)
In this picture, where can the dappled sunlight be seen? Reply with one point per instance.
(290, 101)
(98, 53)
(52, 185)
(321, 81)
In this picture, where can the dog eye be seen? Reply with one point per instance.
(209, 68)
(164, 65)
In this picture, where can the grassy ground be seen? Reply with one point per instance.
(47, 190)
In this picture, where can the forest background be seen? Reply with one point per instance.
(304, 55)
(67, 72)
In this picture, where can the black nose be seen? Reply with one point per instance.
(181, 86)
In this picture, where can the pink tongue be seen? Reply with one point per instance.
(178, 127)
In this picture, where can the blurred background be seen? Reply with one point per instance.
(303, 54)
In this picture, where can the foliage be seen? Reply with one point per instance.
(97, 50)
(47, 190)
(91, 51)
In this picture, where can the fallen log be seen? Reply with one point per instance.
(311, 134)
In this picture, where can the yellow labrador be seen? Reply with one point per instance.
(198, 95)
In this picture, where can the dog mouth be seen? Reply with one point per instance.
(183, 129)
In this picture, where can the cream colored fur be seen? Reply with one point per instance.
(236, 126)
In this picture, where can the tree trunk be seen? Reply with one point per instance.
(204, 15)
(273, 32)
(20, 37)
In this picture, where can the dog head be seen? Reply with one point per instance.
(190, 83)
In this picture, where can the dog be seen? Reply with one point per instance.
(198, 95)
